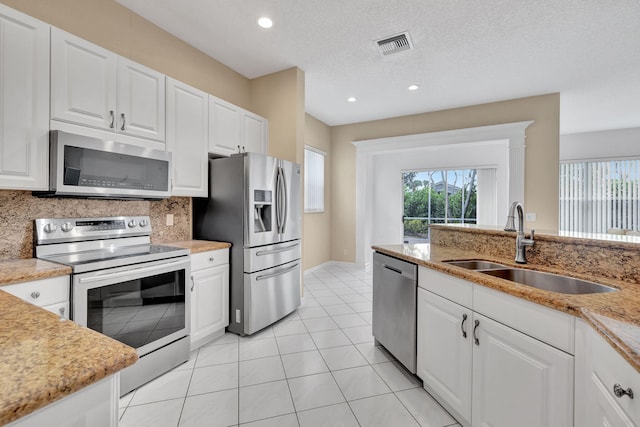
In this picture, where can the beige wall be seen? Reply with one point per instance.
(316, 247)
(110, 25)
(280, 97)
(541, 157)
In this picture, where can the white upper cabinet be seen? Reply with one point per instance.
(255, 130)
(94, 87)
(225, 127)
(24, 101)
(140, 100)
(187, 138)
(233, 129)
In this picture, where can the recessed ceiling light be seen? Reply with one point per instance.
(414, 87)
(265, 22)
(351, 99)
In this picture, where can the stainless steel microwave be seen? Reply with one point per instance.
(81, 166)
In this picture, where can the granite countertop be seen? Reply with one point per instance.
(615, 315)
(45, 359)
(197, 246)
(25, 270)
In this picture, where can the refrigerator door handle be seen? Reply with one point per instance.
(278, 200)
(276, 251)
(279, 273)
(285, 201)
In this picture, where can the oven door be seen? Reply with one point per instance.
(144, 306)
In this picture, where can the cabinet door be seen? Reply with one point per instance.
(209, 303)
(601, 409)
(225, 126)
(83, 79)
(24, 101)
(518, 380)
(254, 130)
(187, 131)
(444, 352)
(60, 309)
(141, 101)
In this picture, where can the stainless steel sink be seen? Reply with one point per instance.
(549, 282)
(476, 264)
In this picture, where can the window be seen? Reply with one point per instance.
(442, 196)
(313, 180)
(600, 196)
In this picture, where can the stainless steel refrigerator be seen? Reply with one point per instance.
(255, 204)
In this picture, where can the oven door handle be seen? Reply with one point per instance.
(106, 276)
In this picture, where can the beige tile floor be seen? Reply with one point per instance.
(319, 366)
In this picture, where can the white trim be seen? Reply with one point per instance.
(512, 133)
(314, 149)
(329, 263)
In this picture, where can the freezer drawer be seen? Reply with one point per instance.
(270, 295)
(394, 307)
(263, 257)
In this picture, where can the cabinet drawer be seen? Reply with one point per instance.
(610, 368)
(41, 292)
(457, 290)
(60, 309)
(209, 259)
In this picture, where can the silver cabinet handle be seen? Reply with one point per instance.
(620, 392)
(211, 259)
(475, 337)
(193, 283)
(62, 310)
(123, 121)
(464, 319)
(113, 119)
(35, 294)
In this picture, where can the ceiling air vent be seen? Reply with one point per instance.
(394, 44)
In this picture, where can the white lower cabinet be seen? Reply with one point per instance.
(96, 405)
(209, 296)
(487, 373)
(600, 372)
(52, 294)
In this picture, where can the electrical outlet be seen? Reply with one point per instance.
(238, 316)
(530, 216)
(169, 219)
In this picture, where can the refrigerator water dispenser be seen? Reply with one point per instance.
(262, 211)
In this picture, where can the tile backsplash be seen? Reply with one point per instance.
(18, 209)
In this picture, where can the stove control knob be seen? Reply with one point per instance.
(144, 223)
(132, 223)
(67, 226)
(50, 228)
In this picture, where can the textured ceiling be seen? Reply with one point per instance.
(466, 52)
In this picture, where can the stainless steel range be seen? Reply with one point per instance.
(124, 287)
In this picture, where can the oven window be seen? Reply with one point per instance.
(140, 311)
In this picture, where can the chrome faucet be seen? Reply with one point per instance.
(521, 242)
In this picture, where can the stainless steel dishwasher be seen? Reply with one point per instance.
(394, 307)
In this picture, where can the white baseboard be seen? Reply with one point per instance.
(328, 263)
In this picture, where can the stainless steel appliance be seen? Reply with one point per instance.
(394, 307)
(80, 166)
(124, 287)
(255, 203)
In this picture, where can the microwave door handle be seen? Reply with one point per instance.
(119, 274)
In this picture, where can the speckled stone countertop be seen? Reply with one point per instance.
(197, 246)
(45, 359)
(615, 315)
(24, 270)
